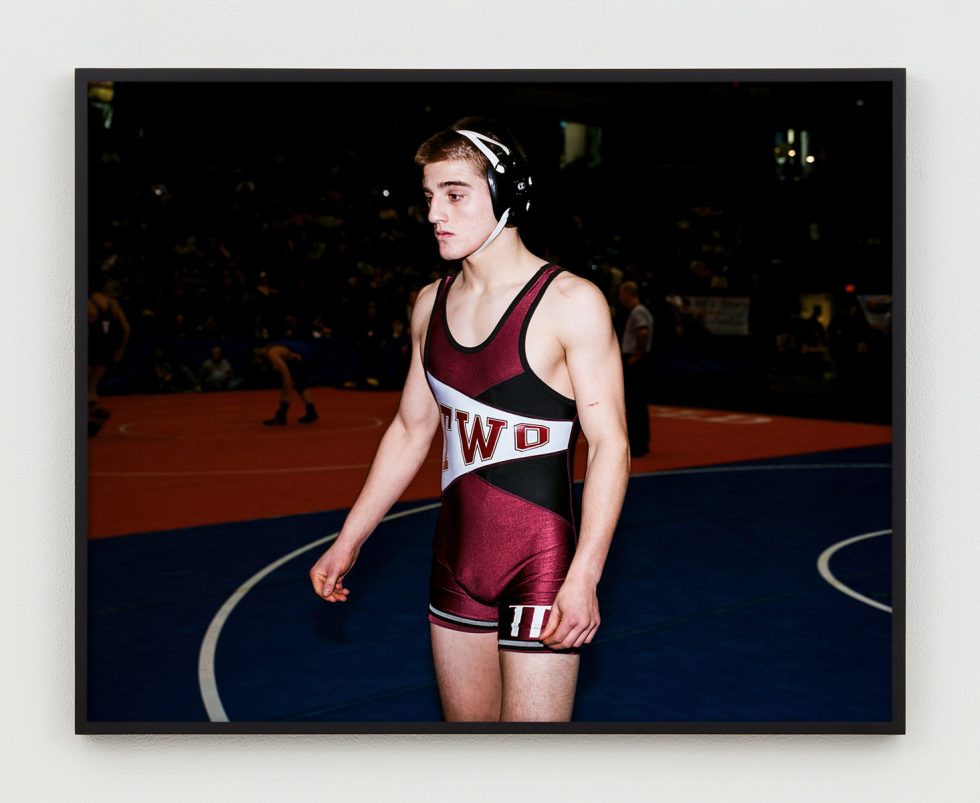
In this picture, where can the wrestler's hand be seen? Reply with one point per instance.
(327, 574)
(574, 616)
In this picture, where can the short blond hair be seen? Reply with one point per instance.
(450, 145)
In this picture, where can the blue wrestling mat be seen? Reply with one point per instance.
(712, 603)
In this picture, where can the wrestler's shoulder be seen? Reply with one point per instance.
(423, 305)
(573, 301)
(428, 292)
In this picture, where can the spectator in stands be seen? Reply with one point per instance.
(166, 375)
(182, 328)
(396, 355)
(685, 322)
(850, 341)
(372, 330)
(266, 309)
(813, 344)
(216, 372)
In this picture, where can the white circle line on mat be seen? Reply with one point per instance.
(823, 566)
(205, 662)
(205, 665)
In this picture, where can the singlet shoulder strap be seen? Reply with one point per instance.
(546, 278)
(533, 293)
(435, 314)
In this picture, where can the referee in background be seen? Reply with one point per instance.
(635, 345)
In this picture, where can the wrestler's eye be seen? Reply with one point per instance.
(428, 200)
(455, 196)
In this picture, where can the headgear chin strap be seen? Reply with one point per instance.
(507, 178)
(493, 235)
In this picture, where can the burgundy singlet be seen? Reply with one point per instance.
(506, 531)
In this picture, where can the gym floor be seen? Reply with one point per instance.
(749, 579)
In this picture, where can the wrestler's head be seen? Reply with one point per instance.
(470, 169)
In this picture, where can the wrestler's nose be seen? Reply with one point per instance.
(437, 211)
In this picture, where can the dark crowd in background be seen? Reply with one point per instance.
(768, 277)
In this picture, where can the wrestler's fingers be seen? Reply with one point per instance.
(554, 617)
(564, 635)
(571, 638)
(586, 636)
(329, 584)
(338, 588)
(581, 630)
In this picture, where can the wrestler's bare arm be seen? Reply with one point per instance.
(594, 365)
(400, 455)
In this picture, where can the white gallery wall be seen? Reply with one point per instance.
(42, 43)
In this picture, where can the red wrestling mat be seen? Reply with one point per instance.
(163, 462)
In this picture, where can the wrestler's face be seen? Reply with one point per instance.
(460, 209)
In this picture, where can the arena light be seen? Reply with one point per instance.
(102, 91)
(576, 142)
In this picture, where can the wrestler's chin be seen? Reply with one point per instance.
(450, 250)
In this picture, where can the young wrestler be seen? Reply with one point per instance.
(108, 335)
(302, 357)
(512, 356)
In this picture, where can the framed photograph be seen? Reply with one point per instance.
(610, 361)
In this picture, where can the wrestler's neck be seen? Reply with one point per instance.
(504, 262)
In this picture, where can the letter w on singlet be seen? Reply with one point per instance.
(475, 438)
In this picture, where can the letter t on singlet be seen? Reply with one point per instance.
(537, 620)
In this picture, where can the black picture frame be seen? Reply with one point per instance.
(892, 80)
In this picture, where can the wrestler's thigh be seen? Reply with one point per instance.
(538, 686)
(467, 673)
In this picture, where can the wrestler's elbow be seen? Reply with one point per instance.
(412, 434)
(610, 446)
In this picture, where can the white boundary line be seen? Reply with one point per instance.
(222, 472)
(205, 662)
(823, 566)
(324, 429)
(774, 467)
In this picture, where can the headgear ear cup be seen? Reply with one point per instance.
(507, 176)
